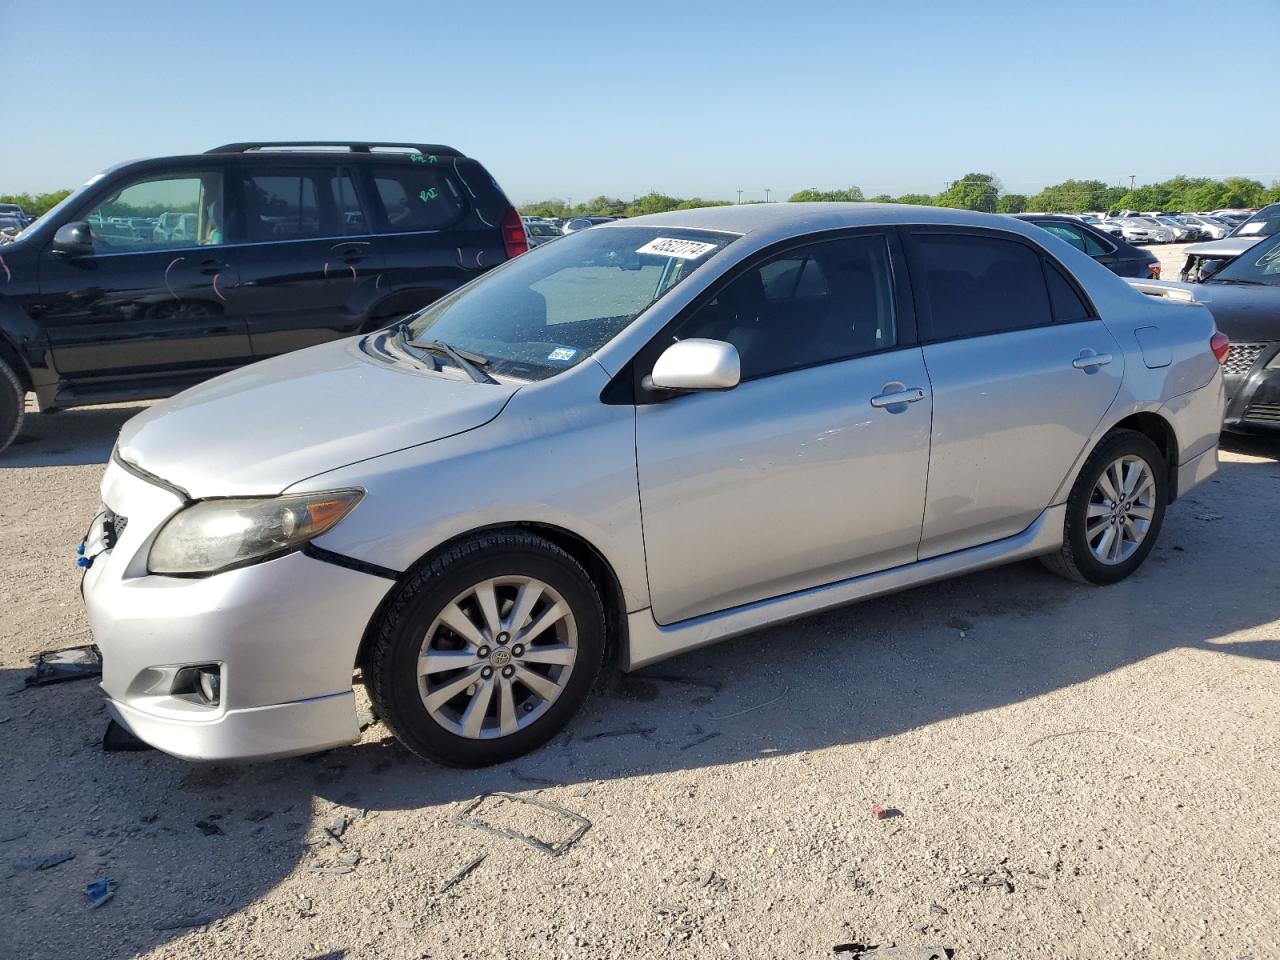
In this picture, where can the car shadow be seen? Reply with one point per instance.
(193, 844)
(68, 438)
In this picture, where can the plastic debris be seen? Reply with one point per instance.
(462, 874)
(551, 847)
(881, 812)
(100, 891)
(59, 666)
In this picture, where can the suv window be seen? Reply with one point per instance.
(418, 198)
(1072, 235)
(298, 204)
(161, 212)
(815, 304)
(977, 285)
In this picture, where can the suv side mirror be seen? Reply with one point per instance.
(697, 364)
(73, 239)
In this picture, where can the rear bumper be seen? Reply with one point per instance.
(1197, 470)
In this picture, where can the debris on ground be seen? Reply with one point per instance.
(552, 847)
(862, 951)
(116, 739)
(462, 874)
(1208, 516)
(344, 863)
(758, 706)
(628, 732)
(881, 812)
(69, 663)
(525, 778)
(45, 862)
(100, 891)
(184, 923)
(702, 739)
(208, 827)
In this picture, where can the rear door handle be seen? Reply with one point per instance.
(910, 395)
(1087, 361)
(353, 252)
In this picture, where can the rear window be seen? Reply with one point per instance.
(978, 285)
(418, 198)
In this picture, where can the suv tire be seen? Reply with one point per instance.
(13, 401)
(1105, 539)
(495, 589)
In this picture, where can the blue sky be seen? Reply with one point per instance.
(574, 99)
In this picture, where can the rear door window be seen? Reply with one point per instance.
(977, 285)
(300, 204)
(418, 198)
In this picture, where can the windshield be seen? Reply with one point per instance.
(1259, 264)
(541, 314)
(1262, 224)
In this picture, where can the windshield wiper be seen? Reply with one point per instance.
(468, 363)
(1251, 283)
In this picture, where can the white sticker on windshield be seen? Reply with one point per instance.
(683, 249)
(562, 354)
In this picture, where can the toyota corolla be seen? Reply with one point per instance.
(647, 437)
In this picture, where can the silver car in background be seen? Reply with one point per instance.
(648, 437)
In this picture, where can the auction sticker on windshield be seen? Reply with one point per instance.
(683, 249)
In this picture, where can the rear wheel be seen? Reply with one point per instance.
(1115, 510)
(13, 401)
(488, 651)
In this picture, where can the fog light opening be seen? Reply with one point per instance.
(210, 685)
(201, 684)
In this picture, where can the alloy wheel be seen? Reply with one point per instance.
(1121, 509)
(497, 657)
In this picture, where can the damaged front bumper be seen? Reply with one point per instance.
(278, 640)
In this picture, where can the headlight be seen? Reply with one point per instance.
(214, 535)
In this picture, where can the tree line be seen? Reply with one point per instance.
(976, 191)
(36, 204)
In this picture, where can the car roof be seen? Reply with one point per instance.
(787, 219)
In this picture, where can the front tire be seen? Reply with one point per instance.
(1115, 510)
(487, 651)
(13, 400)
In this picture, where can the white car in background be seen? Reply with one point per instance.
(1182, 232)
(1143, 230)
(1212, 227)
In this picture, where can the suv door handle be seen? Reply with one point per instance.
(1089, 360)
(909, 395)
(353, 252)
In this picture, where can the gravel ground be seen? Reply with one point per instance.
(1069, 772)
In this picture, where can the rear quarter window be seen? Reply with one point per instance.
(418, 198)
(978, 285)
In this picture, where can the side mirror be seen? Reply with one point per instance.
(73, 239)
(697, 364)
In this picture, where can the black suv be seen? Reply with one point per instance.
(158, 274)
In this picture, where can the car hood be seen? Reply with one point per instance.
(1245, 313)
(269, 425)
(1226, 247)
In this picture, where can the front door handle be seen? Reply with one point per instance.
(908, 395)
(1088, 360)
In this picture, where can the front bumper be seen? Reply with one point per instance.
(1253, 392)
(283, 636)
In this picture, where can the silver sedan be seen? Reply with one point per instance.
(648, 437)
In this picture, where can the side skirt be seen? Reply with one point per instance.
(651, 642)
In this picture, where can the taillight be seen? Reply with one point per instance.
(513, 237)
(1220, 345)
(1154, 267)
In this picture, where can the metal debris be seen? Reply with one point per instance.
(702, 739)
(59, 666)
(462, 874)
(553, 848)
(758, 706)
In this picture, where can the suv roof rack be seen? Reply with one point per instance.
(352, 146)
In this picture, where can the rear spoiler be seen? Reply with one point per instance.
(1154, 288)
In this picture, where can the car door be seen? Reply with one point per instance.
(813, 468)
(310, 259)
(1022, 370)
(148, 301)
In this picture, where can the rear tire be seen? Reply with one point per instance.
(1107, 538)
(528, 645)
(13, 400)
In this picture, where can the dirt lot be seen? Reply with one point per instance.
(1079, 773)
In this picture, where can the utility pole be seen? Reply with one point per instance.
(739, 196)
(767, 191)
(1132, 177)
